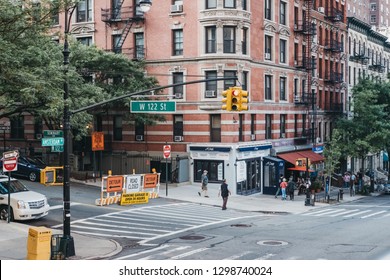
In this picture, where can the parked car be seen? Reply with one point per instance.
(28, 167)
(24, 204)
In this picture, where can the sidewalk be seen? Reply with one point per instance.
(13, 237)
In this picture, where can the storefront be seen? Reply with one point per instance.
(240, 164)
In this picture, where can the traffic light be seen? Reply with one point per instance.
(239, 99)
(227, 100)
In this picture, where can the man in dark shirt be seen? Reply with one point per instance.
(224, 192)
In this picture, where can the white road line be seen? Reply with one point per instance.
(143, 252)
(235, 257)
(328, 212)
(62, 206)
(373, 214)
(358, 213)
(317, 212)
(166, 252)
(131, 226)
(189, 253)
(344, 212)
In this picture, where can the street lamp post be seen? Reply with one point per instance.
(67, 242)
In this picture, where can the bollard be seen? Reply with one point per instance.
(307, 199)
(341, 193)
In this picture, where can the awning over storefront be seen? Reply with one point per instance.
(293, 156)
(300, 168)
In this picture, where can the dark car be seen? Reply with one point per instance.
(28, 167)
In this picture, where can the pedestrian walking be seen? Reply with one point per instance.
(224, 192)
(283, 186)
(291, 188)
(278, 190)
(205, 180)
(346, 179)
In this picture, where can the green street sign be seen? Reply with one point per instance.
(55, 141)
(57, 149)
(53, 133)
(153, 106)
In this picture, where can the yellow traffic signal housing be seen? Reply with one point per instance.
(239, 99)
(227, 100)
(244, 100)
(236, 92)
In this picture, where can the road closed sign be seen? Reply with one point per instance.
(167, 151)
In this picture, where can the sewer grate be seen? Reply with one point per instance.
(240, 225)
(272, 243)
(192, 237)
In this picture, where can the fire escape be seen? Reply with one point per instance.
(308, 63)
(334, 49)
(123, 17)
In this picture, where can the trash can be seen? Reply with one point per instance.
(38, 243)
(56, 253)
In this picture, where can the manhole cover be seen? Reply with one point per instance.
(272, 243)
(192, 237)
(241, 225)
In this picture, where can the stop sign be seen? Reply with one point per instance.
(10, 164)
(167, 151)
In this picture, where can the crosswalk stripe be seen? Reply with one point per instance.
(189, 253)
(143, 252)
(235, 257)
(344, 212)
(373, 214)
(358, 213)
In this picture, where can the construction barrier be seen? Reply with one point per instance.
(113, 188)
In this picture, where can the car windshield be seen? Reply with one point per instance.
(35, 161)
(16, 186)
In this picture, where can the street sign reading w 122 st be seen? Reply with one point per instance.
(152, 106)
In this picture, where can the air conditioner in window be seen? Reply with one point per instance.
(139, 137)
(267, 56)
(178, 138)
(176, 8)
(283, 135)
(253, 137)
(178, 95)
(38, 136)
(321, 9)
(318, 140)
(210, 93)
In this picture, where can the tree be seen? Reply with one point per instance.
(368, 130)
(333, 152)
(32, 76)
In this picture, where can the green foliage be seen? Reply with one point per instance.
(333, 152)
(32, 72)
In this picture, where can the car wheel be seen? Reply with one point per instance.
(4, 213)
(32, 176)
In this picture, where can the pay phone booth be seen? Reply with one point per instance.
(272, 169)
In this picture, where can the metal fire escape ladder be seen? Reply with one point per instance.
(125, 32)
(312, 104)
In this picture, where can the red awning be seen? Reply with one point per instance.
(300, 168)
(293, 156)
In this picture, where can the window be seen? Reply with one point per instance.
(296, 116)
(211, 86)
(211, 39)
(229, 35)
(253, 125)
(229, 3)
(85, 40)
(229, 83)
(283, 13)
(211, 4)
(177, 78)
(268, 47)
(283, 45)
(177, 42)
(215, 128)
(178, 125)
(17, 127)
(373, 18)
(116, 47)
(267, 9)
(84, 11)
(244, 5)
(215, 170)
(244, 80)
(139, 45)
(268, 126)
(240, 127)
(38, 127)
(244, 43)
(55, 12)
(283, 126)
(268, 87)
(117, 128)
(282, 89)
(139, 130)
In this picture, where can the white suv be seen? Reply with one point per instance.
(25, 204)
